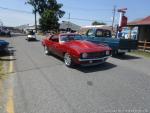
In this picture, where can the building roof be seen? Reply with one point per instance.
(66, 24)
(144, 21)
(97, 26)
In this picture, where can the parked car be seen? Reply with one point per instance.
(5, 33)
(103, 36)
(31, 36)
(74, 50)
(3, 46)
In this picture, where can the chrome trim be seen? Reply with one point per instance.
(120, 50)
(81, 60)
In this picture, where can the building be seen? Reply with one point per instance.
(69, 26)
(84, 29)
(143, 28)
(26, 28)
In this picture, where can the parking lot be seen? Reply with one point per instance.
(43, 84)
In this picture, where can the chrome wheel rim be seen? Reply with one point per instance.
(67, 59)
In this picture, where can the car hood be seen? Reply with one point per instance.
(86, 46)
(3, 43)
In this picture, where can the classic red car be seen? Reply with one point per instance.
(75, 50)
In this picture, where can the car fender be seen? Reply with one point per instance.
(74, 53)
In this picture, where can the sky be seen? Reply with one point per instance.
(82, 12)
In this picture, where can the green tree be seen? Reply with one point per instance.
(37, 7)
(49, 21)
(98, 23)
(49, 11)
(50, 17)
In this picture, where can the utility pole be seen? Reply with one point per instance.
(114, 14)
(69, 22)
(1, 25)
(69, 17)
(35, 20)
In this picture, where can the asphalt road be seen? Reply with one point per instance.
(43, 84)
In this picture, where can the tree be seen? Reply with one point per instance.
(50, 17)
(38, 5)
(49, 11)
(48, 21)
(36, 8)
(98, 23)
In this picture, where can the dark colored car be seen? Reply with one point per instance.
(103, 36)
(3, 46)
(5, 33)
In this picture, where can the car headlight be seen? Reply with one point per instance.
(84, 55)
(107, 52)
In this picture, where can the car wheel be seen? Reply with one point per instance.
(68, 60)
(46, 51)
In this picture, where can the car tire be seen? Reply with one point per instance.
(68, 60)
(46, 51)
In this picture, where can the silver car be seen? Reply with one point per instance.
(31, 36)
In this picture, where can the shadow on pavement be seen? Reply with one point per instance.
(34, 40)
(101, 67)
(126, 57)
(5, 56)
(90, 69)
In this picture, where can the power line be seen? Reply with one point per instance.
(23, 11)
(15, 10)
(81, 19)
(87, 9)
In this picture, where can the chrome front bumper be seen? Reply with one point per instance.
(103, 58)
(122, 51)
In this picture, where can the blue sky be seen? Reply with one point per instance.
(88, 10)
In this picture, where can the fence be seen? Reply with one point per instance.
(144, 45)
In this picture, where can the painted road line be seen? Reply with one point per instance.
(11, 65)
(10, 102)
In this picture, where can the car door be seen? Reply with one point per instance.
(49, 43)
(53, 40)
(57, 47)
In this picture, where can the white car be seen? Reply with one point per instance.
(31, 36)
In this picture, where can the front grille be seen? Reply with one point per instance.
(97, 55)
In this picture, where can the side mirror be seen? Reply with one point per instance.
(50, 37)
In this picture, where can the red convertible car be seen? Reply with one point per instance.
(75, 50)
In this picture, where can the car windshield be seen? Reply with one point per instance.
(66, 38)
(31, 33)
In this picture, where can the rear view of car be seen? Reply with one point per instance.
(31, 36)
